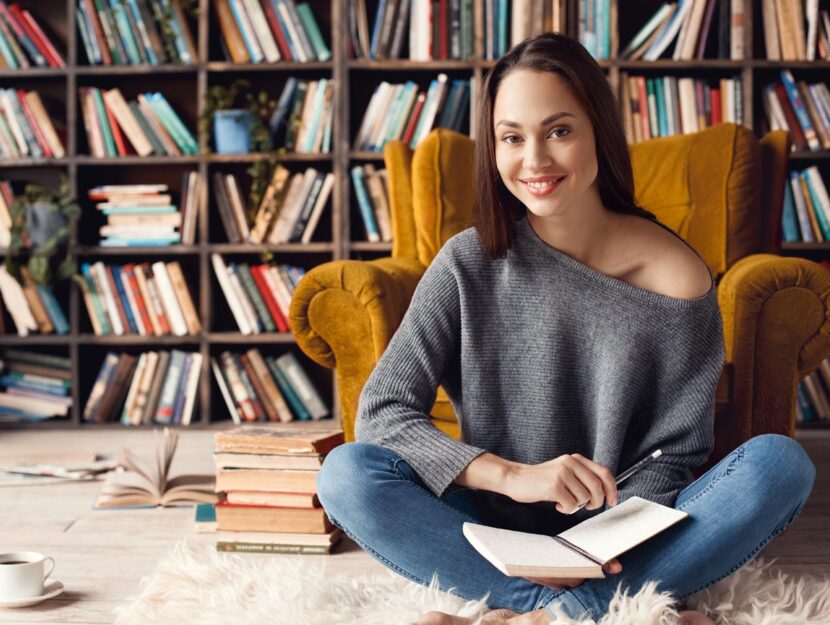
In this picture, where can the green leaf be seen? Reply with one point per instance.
(39, 269)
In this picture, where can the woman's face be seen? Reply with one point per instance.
(545, 149)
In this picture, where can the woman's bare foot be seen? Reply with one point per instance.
(693, 617)
(496, 617)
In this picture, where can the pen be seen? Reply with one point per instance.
(628, 473)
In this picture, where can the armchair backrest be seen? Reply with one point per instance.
(711, 187)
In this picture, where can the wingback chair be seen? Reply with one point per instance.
(720, 189)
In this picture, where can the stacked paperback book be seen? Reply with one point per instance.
(155, 387)
(33, 307)
(23, 43)
(259, 296)
(143, 215)
(36, 386)
(144, 299)
(133, 32)
(268, 476)
(256, 31)
(145, 126)
(257, 388)
(25, 127)
(801, 109)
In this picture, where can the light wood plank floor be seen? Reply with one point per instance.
(101, 555)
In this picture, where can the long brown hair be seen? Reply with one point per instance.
(496, 208)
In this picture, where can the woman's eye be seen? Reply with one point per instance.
(507, 138)
(560, 132)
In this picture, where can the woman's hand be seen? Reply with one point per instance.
(569, 480)
(612, 566)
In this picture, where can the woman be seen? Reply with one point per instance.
(573, 335)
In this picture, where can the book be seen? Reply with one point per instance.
(273, 499)
(579, 552)
(284, 542)
(277, 439)
(147, 482)
(266, 461)
(268, 480)
(244, 518)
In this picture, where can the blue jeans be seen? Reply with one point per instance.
(734, 509)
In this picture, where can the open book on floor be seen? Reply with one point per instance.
(579, 552)
(146, 482)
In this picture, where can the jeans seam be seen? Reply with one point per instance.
(730, 467)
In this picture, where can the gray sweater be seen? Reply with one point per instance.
(542, 356)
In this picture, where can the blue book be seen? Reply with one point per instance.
(24, 40)
(122, 295)
(142, 30)
(12, 381)
(97, 300)
(373, 52)
(123, 26)
(660, 97)
(181, 44)
(191, 146)
(254, 52)
(807, 409)
(155, 242)
(178, 407)
(288, 392)
(292, 45)
(372, 232)
(822, 218)
(53, 309)
(6, 52)
(316, 115)
(86, 38)
(277, 123)
(789, 222)
(800, 110)
(501, 28)
(432, 93)
(457, 122)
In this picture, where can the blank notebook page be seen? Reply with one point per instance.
(520, 548)
(622, 527)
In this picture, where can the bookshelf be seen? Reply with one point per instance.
(340, 234)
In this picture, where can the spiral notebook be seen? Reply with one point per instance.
(579, 552)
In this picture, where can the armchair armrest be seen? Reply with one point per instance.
(345, 312)
(776, 319)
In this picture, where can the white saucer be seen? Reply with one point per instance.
(52, 589)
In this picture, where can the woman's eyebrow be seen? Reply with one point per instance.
(544, 122)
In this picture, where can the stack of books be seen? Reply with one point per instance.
(254, 31)
(795, 30)
(402, 112)
(259, 296)
(33, 307)
(806, 215)
(155, 387)
(302, 119)
(801, 109)
(289, 211)
(813, 405)
(269, 476)
(35, 386)
(372, 191)
(664, 106)
(133, 32)
(144, 299)
(23, 42)
(146, 126)
(257, 388)
(25, 128)
(144, 215)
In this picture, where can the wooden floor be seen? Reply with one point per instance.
(101, 555)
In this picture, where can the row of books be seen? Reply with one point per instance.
(691, 25)
(371, 188)
(254, 31)
(134, 32)
(153, 387)
(144, 299)
(267, 477)
(813, 399)
(402, 112)
(668, 105)
(147, 125)
(259, 296)
(144, 215)
(32, 307)
(806, 214)
(267, 388)
(801, 109)
(795, 30)
(25, 127)
(303, 117)
(35, 386)
(6, 202)
(23, 42)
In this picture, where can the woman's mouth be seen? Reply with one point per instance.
(543, 187)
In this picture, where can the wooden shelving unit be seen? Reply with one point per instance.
(340, 234)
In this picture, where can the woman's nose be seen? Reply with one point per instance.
(536, 155)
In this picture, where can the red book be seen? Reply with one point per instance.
(39, 37)
(279, 36)
(792, 121)
(157, 305)
(21, 97)
(92, 14)
(132, 284)
(413, 118)
(443, 31)
(116, 132)
(643, 95)
(268, 296)
(717, 110)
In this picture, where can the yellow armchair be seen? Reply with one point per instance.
(720, 189)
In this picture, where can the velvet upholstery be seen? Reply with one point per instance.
(714, 188)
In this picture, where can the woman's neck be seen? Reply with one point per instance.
(580, 233)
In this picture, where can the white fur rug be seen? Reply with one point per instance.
(195, 584)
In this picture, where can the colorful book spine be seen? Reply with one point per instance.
(364, 205)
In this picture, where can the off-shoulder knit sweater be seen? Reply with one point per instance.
(541, 355)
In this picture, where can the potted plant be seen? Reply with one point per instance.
(42, 220)
(236, 118)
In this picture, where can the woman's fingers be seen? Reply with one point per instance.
(604, 477)
(612, 566)
(571, 491)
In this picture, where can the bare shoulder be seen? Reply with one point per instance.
(667, 264)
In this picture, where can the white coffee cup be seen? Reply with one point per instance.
(22, 574)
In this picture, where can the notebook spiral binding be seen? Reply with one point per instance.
(569, 545)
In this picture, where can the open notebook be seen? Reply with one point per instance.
(578, 552)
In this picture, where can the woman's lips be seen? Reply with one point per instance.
(541, 189)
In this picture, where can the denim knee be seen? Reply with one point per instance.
(784, 459)
(344, 473)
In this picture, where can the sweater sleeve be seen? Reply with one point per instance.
(394, 403)
(680, 421)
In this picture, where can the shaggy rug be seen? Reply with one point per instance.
(195, 584)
